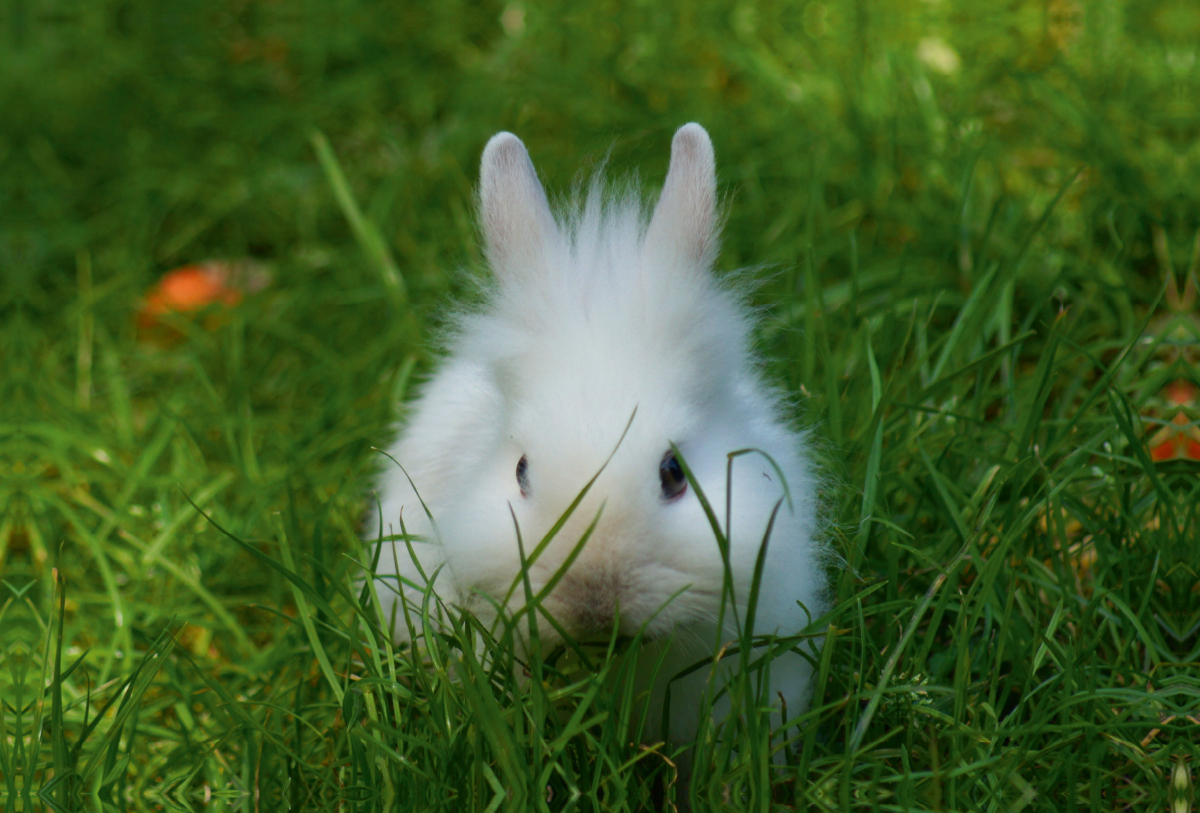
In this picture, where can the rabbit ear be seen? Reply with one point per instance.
(684, 225)
(517, 224)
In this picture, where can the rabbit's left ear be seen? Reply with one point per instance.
(684, 225)
(518, 227)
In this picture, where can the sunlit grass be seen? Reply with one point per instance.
(976, 238)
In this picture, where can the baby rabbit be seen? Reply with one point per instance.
(605, 345)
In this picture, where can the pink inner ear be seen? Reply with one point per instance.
(684, 221)
(517, 222)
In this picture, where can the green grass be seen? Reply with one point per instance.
(979, 280)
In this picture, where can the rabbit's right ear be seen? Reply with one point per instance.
(518, 228)
(684, 224)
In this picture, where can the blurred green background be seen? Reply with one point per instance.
(882, 161)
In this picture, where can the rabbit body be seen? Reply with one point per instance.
(595, 316)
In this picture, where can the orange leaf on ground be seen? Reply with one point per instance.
(1179, 439)
(193, 287)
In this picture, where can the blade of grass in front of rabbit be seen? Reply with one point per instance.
(625, 679)
(489, 718)
(722, 540)
(380, 637)
(522, 734)
(755, 584)
(402, 604)
(775, 645)
(334, 584)
(364, 650)
(428, 628)
(401, 600)
(634, 647)
(571, 557)
(538, 711)
(745, 632)
(566, 515)
(428, 586)
(427, 592)
(757, 696)
(506, 643)
(708, 698)
(728, 649)
(534, 602)
(404, 471)
(365, 593)
(824, 668)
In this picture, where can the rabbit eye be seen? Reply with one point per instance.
(671, 474)
(523, 476)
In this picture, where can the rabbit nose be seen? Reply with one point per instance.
(588, 602)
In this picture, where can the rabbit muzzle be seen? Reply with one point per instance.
(587, 602)
(593, 599)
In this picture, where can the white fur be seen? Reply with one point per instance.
(594, 313)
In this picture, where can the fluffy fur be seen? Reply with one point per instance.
(594, 312)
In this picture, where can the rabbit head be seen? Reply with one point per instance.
(607, 349)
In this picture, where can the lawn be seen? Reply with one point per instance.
(975, 235)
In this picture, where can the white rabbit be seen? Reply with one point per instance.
(596, 312)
